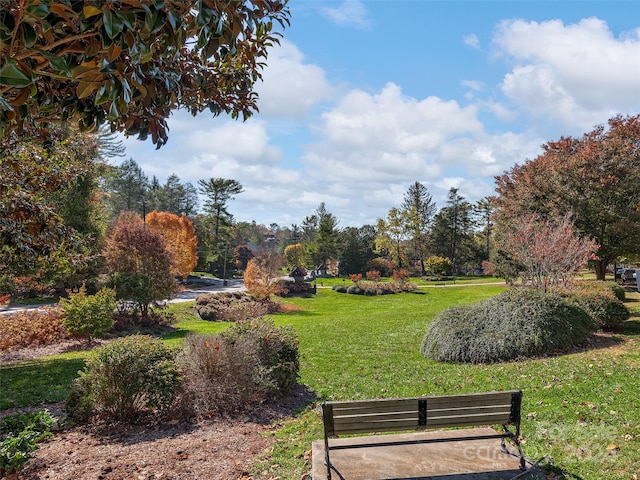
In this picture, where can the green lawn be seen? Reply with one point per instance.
(577, 407)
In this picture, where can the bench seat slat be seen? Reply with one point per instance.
(379, 426)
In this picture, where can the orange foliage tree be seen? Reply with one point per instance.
(262, 276)
(181, 239)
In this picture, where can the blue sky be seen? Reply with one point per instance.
(363, 98)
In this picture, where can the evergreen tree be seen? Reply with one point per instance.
(128, 188)
(418, 209)
(356, 249)
(452, 234)
(327, 238)
(218, 192)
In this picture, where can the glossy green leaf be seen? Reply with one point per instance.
(29, 36)
(113, 112)
(11, 75)
(112, 24)
(58, 63)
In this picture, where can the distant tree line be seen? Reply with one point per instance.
(60, 198)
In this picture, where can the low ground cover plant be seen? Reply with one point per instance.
(42, 326)
(233, 306)
(19, 435)
(520, 322)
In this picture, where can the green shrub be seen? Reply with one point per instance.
(602, 305)
(517, 323)
(277, 349)
(618, 290)
(133, 290)
(355, 290)
(598, 286)
(126, 379)
(19, 436)
(339, 288)
(89, 315)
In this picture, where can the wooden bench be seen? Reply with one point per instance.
(407, 414)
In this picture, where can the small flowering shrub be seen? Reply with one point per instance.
(373, 275)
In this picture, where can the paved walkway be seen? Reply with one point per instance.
(451, 460)
(213, 286)
(188, 294)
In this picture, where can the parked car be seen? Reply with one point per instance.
(627, 275)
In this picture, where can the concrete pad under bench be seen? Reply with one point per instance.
(451, 460)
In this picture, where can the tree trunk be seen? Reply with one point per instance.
(601, 269)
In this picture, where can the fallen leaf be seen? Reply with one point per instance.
(613, 447)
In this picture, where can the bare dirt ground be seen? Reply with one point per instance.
(217, 448)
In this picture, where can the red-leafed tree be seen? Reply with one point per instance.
(595, 177)
(180, 236)
(550, 253)
(140, 261)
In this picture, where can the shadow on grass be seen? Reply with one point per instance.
(631, 327)
(28, 383)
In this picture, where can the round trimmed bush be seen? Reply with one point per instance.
(515, 323)
(126, 379)
(617, 290)
(339, 288)
(355, 290)
(602, 306)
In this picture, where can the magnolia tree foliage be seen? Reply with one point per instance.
(550, 253)
(595, 177)
(180, 237)
(140, 261)
(131, 62)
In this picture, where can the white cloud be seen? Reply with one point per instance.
(575, 75)
(472, 40)
(290, 87)
(349, 13)
(475, 85)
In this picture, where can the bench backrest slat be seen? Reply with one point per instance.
(385, 415)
